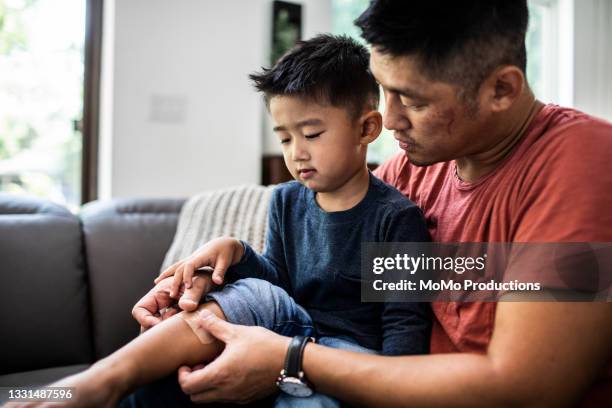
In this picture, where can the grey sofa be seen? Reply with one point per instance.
(69, 282)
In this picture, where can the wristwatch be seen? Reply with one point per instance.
(292, 379)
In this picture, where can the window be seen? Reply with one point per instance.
(41, 98)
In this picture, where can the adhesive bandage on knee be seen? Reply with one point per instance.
(194, 320)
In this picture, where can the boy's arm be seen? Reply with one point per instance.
(271, 266)
(406, 325)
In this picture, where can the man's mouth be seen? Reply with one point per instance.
(406, 143)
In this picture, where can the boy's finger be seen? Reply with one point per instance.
(177, 281)
(168, 272)
(187, 277)
(192, 296)
(219, 272)
(188, 270)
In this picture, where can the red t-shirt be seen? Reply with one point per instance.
(555, 186)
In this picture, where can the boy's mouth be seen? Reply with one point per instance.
(306, 173)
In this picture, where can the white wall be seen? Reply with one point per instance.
(178, 113)
(579, 55)
(593, 57)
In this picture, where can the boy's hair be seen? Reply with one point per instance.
(326, 69)
(458, 42)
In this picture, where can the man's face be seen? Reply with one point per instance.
(429, 121)
(321, 144)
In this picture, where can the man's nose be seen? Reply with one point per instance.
(394, 117)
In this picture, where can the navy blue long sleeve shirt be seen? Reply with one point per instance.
(315, 256)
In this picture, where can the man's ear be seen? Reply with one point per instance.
(503, 87)
(371, 126)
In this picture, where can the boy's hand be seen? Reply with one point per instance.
(157, 305)
(153, 306)
(220, 253)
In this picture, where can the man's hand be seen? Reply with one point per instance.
(245, 371)
(152, 307)
(158, 305)
(220, 253)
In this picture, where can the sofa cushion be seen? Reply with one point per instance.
(45, 301)
(125, 243)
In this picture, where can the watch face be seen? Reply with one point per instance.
(294, 386)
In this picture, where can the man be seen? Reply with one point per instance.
(487, 162)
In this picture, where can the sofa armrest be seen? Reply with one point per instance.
(45, 321)
(125, 243)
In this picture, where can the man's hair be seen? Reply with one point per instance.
(326, 69)
(459, 42)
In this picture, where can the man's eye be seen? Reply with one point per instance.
(285, 141)
(313, 135)
(414, 106)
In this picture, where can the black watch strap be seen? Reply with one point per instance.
(293, 360)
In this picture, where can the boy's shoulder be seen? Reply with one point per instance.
(389, 197)
(287, 192)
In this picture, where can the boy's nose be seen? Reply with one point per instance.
(394, 118)
(299, 153)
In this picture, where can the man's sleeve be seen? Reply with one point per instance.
(406, 325)
(271, 266)
(567, 196)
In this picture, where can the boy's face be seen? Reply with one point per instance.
(321, 144)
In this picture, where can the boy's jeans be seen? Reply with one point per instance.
(255, 302)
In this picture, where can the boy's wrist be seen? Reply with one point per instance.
(239, 251)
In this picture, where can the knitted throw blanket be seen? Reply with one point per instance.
(240, 212)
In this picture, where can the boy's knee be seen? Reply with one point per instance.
(194, 320)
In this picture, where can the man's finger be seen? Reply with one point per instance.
(217, 327)
(169, 312)
(193, 381)
(144, 317)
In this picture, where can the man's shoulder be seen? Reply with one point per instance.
(556, 125)
(565, 140)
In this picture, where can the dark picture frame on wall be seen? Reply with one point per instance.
(286, 31)
(286, 27)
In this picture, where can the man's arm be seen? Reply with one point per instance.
(541, 354)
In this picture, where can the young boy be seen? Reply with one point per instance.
(323, 101)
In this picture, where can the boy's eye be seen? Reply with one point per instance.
(314, 135)
(284, 141)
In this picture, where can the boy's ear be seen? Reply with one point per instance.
(371, 126)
